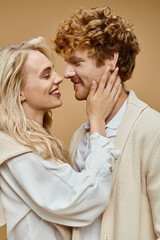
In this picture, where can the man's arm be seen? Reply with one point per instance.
(153, 186)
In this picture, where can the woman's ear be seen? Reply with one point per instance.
(112, 60)
(22, 96)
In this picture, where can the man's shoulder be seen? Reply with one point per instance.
(152, 118)
(144, 108)
(140, 120)
(148, 121)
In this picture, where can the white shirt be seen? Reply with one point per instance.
(36, 192)
(92, 232)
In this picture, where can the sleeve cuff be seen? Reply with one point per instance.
(104, 147)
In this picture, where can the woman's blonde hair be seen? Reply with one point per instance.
(101, 33)
(12, 116)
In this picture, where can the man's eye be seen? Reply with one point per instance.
(76, 63)
(47, 76)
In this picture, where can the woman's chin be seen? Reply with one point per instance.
(58, 104)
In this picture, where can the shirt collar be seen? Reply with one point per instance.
(115, 122)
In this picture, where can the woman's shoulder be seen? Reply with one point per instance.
(10, 147)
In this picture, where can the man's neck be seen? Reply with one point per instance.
(118, 105)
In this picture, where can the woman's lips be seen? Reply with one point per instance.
(55, 93)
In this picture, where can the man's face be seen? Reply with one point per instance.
(82, 69)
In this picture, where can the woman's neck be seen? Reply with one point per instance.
(36, 116)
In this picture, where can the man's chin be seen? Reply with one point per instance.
(79, 98)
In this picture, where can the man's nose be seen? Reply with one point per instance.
(69, 71)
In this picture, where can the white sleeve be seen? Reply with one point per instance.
(57, 193)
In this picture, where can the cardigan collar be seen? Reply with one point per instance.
(10, 147)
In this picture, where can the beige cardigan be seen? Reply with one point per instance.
(13, 148)
(134, 209)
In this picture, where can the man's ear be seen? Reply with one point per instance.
(22, 96)
(112, 60)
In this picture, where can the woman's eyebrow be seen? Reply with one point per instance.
(45, 70)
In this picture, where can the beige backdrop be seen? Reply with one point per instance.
(22, 20)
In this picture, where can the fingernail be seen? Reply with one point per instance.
(93, 82)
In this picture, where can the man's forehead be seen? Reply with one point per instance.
(75, 55)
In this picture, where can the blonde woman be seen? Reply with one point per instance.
(41, 193)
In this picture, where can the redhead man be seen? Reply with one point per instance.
(90, 41)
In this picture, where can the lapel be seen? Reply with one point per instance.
(134, 108)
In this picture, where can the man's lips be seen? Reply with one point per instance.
(76, 84)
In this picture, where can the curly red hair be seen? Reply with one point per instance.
(101, 33)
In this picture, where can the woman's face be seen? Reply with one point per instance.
(41, 87)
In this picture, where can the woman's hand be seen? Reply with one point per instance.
(102, 99)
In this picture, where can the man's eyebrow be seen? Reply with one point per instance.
(73, 59)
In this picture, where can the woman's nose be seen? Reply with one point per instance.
(57, 78)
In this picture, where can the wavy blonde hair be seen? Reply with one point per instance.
(12, 116)
(101, 33)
